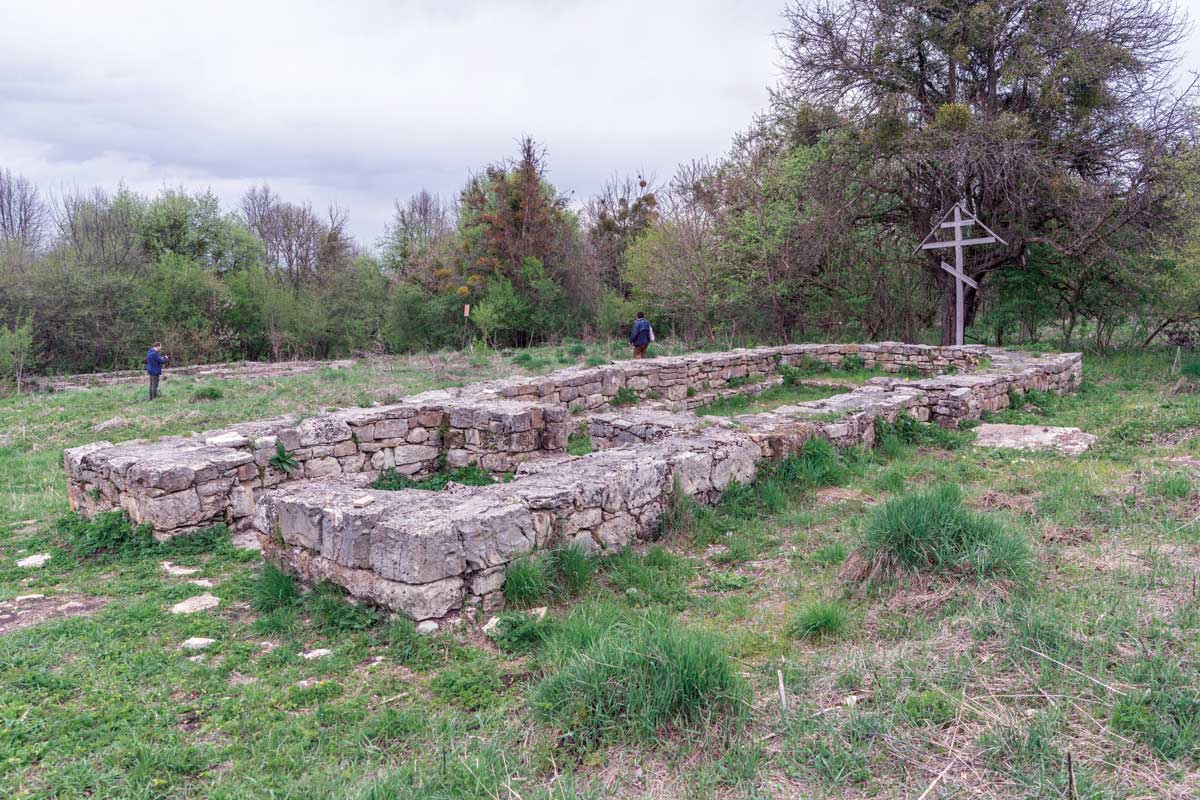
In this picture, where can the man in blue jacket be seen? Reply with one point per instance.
(641, 335)
(154, 364)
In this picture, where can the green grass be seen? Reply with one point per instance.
(470, 475)
(767, 400)
(108, 704)
(637, 678)
(934, 532)
(819, 620)
(579, 443)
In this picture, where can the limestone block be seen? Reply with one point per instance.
(493, 534)
(414, 453)
(325, 429)
(617, 531)
(168, 511)
(322, 467)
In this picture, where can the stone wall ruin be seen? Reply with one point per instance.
(429, 554)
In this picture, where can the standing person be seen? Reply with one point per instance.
(154, 364)
(641, 335)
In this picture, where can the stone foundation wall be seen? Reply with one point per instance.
(427, 554)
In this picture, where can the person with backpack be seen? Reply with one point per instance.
(155, 361)
(641, 335)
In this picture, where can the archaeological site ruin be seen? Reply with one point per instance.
(429, 554)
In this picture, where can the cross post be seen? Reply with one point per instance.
(958, 223)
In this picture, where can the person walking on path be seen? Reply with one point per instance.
(154, 364)
(641, 335)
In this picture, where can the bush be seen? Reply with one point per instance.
(579, 443)
(274, 589)
(625, 397)
(636, 678)
(933, 532)
(818, 620)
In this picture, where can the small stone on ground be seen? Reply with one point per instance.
(427, 627)
(201, 602)
(202, 582)
(320, 652)
(197, 643)
(34, 562)
(1069, 441)
(246, 540)
(178, 572)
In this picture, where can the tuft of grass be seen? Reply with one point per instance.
(637, 678)
(656, 578)
(333, 613)
(595, 361)
(526, 582)
(571, 567)
(471, 475)
(929, 707)
(1165, 714)
(819, 620)
(207, 393)
(519, 633)
(109, 534)
(831, 553)
(819, 464)
(1175, 486)
(274, 589)
(414, 650)
(933, 531)
(910, 431)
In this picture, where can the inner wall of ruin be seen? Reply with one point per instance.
(430, 554)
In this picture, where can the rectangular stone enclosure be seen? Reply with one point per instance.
(428, 554)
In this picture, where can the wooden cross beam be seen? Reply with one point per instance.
(962, 219)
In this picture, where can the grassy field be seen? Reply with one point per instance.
(1044, 611)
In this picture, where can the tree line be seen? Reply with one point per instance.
(1063, 126)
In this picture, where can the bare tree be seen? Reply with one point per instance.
(620, 212)
(102, 230)
(23, 215)
(298, 244)
(418, 226)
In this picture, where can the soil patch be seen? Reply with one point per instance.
(29, 610)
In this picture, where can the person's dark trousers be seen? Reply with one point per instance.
(154, 386)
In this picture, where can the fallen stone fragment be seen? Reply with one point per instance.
(197, 659)
(34, 562)
(24, 598)
(1069, 441)
(201, 602)
(197, 643)
(539, 612)
(205, 583)
(491, 624)
(320, 652)
(178, 572)
(116, 423)
(364, 501)
(227, 440)
(427, 627)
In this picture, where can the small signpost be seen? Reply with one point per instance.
(962, 219)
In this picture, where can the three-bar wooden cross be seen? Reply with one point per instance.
(962, 219)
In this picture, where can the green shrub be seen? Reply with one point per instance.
(472, 686)
(638, 677)
(333, 613)
(625, 397)
(206, 393)
(272, 590)
(933, 532)
(818, 620)
(854, 363)
(526, 582)
(283, 460)
(579, 443)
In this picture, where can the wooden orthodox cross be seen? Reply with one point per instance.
(962, 219)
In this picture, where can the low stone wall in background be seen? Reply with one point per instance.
(427, 554)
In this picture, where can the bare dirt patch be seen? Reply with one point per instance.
(992, 500)
(29, 610)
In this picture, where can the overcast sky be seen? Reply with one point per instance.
(360, 102)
